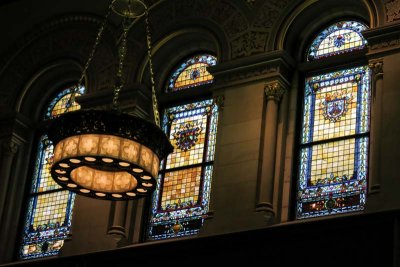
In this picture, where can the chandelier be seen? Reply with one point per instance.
(109, 154)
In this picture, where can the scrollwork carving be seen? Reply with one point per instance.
(248, 44)
(392, 10)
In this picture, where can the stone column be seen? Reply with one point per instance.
(273, 92)
(376, 67)
(8, 150)
(118, 218)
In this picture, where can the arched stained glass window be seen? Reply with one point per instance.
(341, 37)
(334, 142)
(192, 72)
(60, 103)
(49, 214)
(183, 190)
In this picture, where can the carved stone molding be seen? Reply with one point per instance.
(256, 68)
(247, 33)
(383, 40)
(274, 90)
(392, 10)
(249, 43)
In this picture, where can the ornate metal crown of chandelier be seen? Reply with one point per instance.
(109, 154)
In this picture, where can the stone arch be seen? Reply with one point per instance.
(302, 24)
(175, 47)
(69, 39)
(44, 84)
(222, 19)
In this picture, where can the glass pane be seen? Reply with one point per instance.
(341, 37)
(182, 195)
(49, 213)
(181, 189)
(48, 224)
(60, 103)
(336, 105)
(333, 178)
(42, 178)
(188, 128)
(193, 72)
(336, 115)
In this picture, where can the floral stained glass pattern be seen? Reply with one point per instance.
(334, 143)
(182, 195)
(49, 214)
(341, 37)
(193, 72)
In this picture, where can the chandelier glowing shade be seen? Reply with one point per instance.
(109, 154)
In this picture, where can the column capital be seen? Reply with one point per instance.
(10, 146)
(376, 67)
(274, 90)
(219, 100)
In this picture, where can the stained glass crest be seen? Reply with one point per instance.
(334, 143)
(341, 37)
(182, 195)
(49, 214)
(192, 72)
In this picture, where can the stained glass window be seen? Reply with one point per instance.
(182, 196)
(341, 37)
(49, 213)
(334, 143)
(60, 103)
(192, 72)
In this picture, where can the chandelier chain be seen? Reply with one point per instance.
(122, 55)
(71, 100)
(153, 87)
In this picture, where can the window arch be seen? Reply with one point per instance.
(48, 218)
(183, 190)
(334, 137)
(339, 38)
(191, 73)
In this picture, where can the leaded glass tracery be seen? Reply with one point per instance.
(341, 37)
(49, 214)
(334, 143)
(182, 196)
(192, 72)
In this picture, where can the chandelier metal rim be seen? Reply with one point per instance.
(110, 122)
(143, 188)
